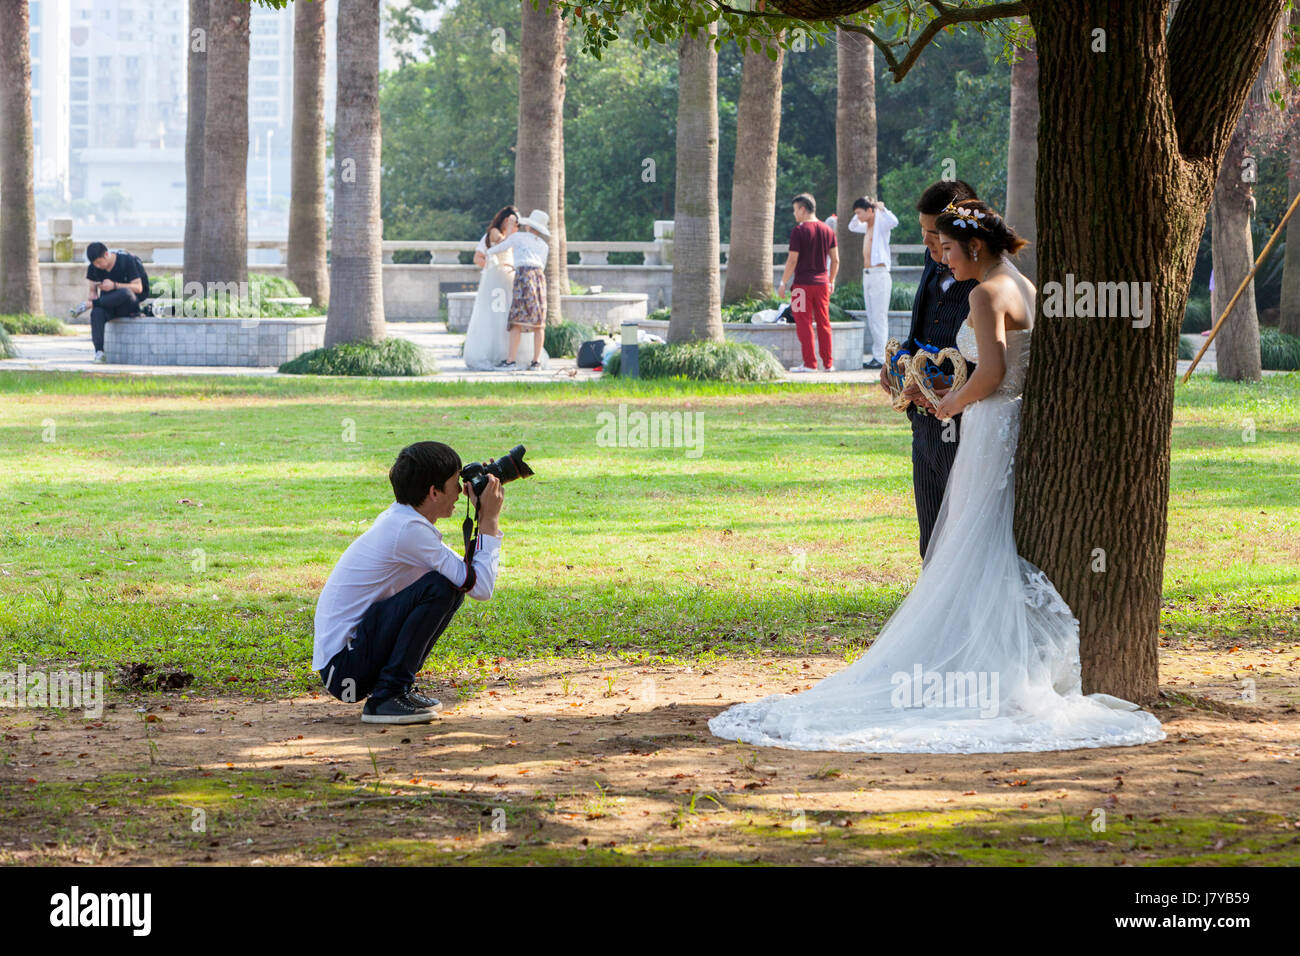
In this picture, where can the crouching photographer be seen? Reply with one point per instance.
(397, 586)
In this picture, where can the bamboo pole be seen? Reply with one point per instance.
(1242, 288)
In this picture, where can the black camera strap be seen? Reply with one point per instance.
(470, 531)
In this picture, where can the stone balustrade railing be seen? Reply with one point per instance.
(444, 251)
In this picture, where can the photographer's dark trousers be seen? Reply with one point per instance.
(392, 641)
(932, 459)
(117, 304)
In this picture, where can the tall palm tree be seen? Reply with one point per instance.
(196, 119)
(1237, 345)
(356, 309)
(224, 242)
(1289, 318)
(697, 294)
(855, 138)
(305, 262)
(539, 151)
(753, 190)
(1022, 155)
(20, 277)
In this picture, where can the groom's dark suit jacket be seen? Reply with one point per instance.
(936, 318)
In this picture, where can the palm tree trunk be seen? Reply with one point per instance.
(753, 190)
(697, 294)
(305, 262)
(1237, 345)
(224, 240)
(541, 114)
(560, 230)
(855, 139)
(356, 310)
(20, 277)
(1022, 156)
(1290, 305)
(196, 119)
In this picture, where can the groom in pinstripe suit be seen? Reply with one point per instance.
(938, 311)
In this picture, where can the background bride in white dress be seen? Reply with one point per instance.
(486, 339)
(983, 654)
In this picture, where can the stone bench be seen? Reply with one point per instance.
(610, 309)
(782, 341)
(147, 340)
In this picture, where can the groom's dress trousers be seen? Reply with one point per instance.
(937, 315)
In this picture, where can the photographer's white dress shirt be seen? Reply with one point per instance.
(401, 547)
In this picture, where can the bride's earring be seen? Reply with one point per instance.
(977, 255)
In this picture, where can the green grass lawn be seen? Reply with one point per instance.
(191, 522)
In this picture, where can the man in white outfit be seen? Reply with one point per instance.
(875, 222)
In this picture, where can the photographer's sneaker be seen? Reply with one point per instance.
(99, 357)
(395, 710)
(802, 368)
(423, 700)
(506, 366)
(535, 367)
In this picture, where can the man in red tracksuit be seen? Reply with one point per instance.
(812, 264)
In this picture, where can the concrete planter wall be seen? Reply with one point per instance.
(602, 308)
(187, 341)
(900, 323)
(780, 339)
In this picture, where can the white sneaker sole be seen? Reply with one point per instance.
(425, 718)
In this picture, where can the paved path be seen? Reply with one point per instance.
(72, 353)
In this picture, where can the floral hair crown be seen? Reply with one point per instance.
(966, 217)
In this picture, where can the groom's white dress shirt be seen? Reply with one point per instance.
(885, 223)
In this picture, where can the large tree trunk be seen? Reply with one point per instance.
(20, 277)
(1092, 469)
(1290, 304)
(224, 241)
(195, 120)
(305, 262)
(559, 229)
(753, 189)
(1022, 157)
(356, 311)
(541, 114)
(855, 140)
(1237, 344)
(697, 295)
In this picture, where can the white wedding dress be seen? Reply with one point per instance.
(486, 339)
(983, 655)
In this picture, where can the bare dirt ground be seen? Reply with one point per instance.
(586, 761)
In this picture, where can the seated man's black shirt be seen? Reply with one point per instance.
(125, 270)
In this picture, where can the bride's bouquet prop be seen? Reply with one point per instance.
(894, 371)
(925, 371)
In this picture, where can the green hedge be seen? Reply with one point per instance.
(27, 324)
(704, 361)
(1187, 346)
(1196, 317)
(7, 348)
(390, 357)
(260, 288)
(1279, 351)
(563, 339)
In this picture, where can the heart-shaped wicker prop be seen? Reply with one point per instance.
(894, 373)
(925, 372)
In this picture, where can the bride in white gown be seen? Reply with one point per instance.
(486, 339)
(983, 654)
